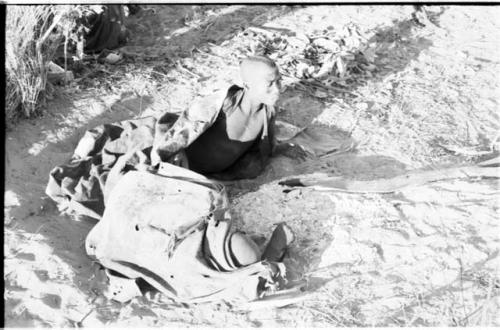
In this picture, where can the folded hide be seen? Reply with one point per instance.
(173, 231)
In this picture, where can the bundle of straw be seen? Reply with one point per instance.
(33, 34)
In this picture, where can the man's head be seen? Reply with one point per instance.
(261, 79)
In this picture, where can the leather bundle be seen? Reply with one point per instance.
(175, 232)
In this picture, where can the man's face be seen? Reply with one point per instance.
(265, 86)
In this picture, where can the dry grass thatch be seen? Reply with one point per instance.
(33, 35)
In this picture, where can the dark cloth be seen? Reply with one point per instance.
(221, 155)
(79, 186)
(198, 119)
(107, 29)
(216, 145)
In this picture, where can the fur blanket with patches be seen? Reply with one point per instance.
(172, 229)
(79, 187)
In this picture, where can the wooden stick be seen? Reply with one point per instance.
(257, 30)
(273, 301)
(464, 151)
(384, 186)
(490, 162)
(39, 43)
(66, 54)
(317, 84)
(180, 67)
(49, 30)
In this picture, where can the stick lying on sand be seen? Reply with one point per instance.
(487, 169)
(279, 299)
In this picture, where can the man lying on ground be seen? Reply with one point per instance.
(152, 226)
(228, 135)
(149, 228)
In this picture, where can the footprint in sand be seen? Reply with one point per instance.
(52, 300)
(26, 256)
(42, 275)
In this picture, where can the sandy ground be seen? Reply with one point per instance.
(426, 255)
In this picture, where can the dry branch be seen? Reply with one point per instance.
(464, 150)
(280, 299)
(390, 185)
(491, 162)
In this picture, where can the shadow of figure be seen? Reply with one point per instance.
(171, 32)
(396, 49)
(126, 107)
(347, 165)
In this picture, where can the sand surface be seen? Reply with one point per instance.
(426, 255)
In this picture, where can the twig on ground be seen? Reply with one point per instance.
(180, 67)
(209, 24)
(463, 151)
(390, 185)
(28, 241)
(328, 88)
(482, 308)
(209, 54)
(140, 106)
(160, 73)
(277, 301)
(486, 304)
(471, 314)
(398, 322)
(93, 309)
(356, 120)
(329, 317)
(462, 286)
(65, 55)
(338, 89)
(403, 309)
(80, 323)
(258, 30)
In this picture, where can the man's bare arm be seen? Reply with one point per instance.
(287, 149)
